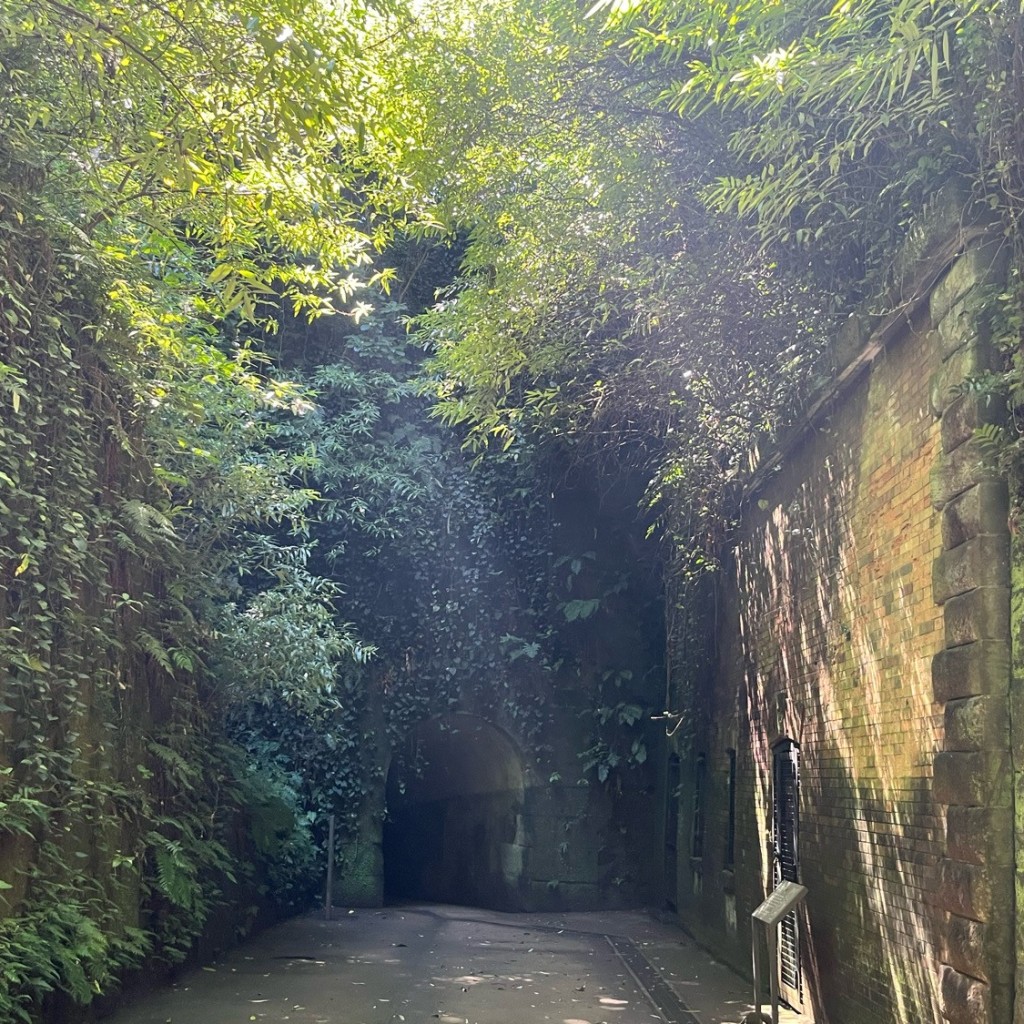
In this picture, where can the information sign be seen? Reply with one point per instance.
(780, 902)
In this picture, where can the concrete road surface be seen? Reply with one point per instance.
(452, 965)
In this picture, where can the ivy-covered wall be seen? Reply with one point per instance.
(540, 746)
(119, 812)
(126, 817)
(864, 617)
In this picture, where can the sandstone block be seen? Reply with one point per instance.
(1018, 924)
(980, 835)
(978, 949)
(981, 614)
(958, 470)
(981, 264)
(982, 561)
(973, 669)
(962, 777)
(575, 860)
(984, 508)
(977, 723)
(360, 878)
(962, 325)
(512, 858)
(963, 364)
(966, 890)
(1018, 1004)
(965, 1000)
(965, 414)
(1017, 734)
(1001, 998)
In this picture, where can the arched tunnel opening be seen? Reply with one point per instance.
(453, 831)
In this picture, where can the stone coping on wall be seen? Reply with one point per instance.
(955, 233)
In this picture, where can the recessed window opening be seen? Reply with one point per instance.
(730, 835)
(697, 829)
(785, 834)
(672, 803)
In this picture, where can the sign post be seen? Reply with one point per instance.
(329, 892)
(781, 901)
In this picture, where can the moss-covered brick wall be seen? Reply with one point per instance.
(864, 615)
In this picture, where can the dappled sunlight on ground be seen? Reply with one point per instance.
(571, 970)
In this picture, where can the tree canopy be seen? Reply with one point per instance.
(670, 206)
(246, 247)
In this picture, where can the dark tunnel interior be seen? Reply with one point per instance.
(454, 816)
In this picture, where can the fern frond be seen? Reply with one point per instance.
(147, 522)
(179, 766)
(175, 875)
(156, 650)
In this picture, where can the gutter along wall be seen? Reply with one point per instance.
(864, 616)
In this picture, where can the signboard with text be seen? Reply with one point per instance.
(780, 902)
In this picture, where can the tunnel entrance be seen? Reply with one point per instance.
(454, 816)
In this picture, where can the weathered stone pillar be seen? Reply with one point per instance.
(973, 774)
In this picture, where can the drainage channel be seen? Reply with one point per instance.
(649, 980)
(647, 977)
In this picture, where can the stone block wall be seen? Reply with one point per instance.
(970, 674)
(866, 617)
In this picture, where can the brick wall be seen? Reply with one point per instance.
(850, 585)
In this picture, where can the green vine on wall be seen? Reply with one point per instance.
(120, 815)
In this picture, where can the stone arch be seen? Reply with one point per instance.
(453, 831)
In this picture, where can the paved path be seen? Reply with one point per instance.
(454, 965)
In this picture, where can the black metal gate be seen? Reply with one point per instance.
(785, 833)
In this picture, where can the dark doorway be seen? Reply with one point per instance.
(454, 816)
(785, 833)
